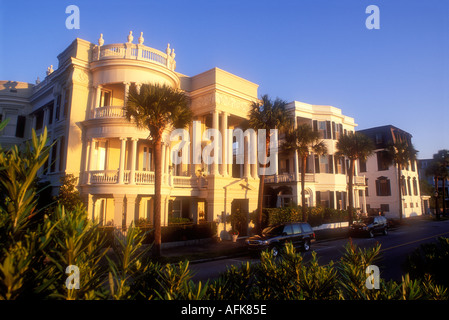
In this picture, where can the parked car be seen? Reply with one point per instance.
(300, 234)
(369, 226)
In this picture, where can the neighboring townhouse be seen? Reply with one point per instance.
(423, 164)
(382, 177)
(326, 175)
(15, 106)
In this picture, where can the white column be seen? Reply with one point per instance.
(296, 166)
(138, 85)
(121, 171)
(132, 172)
(216, 151)
(254, 165)
(90, 206)
(118, 210)
(246, 167)
(364, 200)
(96, 100)
(130, 208)
(125, 100)
(163, 158)
(167, 161)
(224, 137)
(90, 165)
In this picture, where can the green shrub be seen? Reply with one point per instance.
(432, 259)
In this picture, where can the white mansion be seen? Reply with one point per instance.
(81, 101)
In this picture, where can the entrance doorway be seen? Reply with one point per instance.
(239, 212)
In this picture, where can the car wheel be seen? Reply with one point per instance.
(306, 245)
(275, 251)
(371, 234)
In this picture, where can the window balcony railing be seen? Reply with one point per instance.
(109, 112)
(358, 180)
(288, 177)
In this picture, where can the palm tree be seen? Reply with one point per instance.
(157, 108)
(267, 114)
(305, 141)
(438, 169)
(401, 153)
(354, 146)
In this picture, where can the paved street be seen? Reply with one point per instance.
(395, 247)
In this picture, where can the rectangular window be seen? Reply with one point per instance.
(382, 161)
(385, 207)
(284, 166)
(324, 164)
(54, 152)
(415, 187)
(362, 165)
(105, 99)
(20, 128)
(383, 188)
(66, 102)
(322, 129)
(58, 107)
(39, 120)
(324, 199)
(50, 113)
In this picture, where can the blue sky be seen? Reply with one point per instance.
(319, 51)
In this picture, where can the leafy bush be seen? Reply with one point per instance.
(316, 215)
(431, 258)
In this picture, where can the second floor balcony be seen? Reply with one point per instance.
(110, 177)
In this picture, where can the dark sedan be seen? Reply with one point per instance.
(300, 234)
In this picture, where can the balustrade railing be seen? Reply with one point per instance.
(135, 52)
(109, 112)
(144, 177)
(180, 181)
(103, 176)
(288, 177)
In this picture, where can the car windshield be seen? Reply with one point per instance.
(273, 231)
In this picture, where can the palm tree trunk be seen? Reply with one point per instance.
(444, 196)
(351, 191)
(157, 195)
(400, 191)
(261, 187)
(303, 185)
(437, 207)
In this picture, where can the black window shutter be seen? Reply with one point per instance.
(317, 164)
(328, 130)
(334, 135)
(331, 200)
(331, 164)
(315, 125)
(318, 198)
